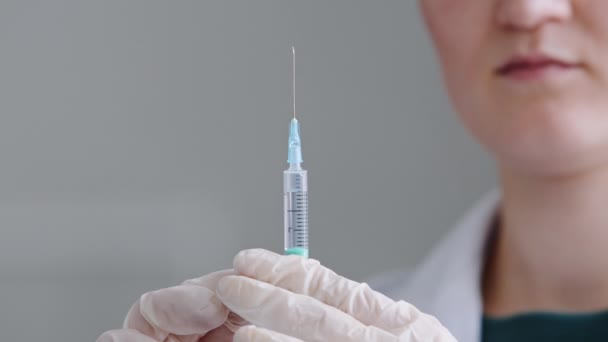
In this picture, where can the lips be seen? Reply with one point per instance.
(533, 65)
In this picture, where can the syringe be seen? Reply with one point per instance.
(295, 188)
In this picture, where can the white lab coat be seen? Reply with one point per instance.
(447, 284)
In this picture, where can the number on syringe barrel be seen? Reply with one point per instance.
(297, 225)
(301, 229)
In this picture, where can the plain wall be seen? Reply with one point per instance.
(143, 143)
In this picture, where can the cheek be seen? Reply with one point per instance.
(593, 25)
(460, 48)
(446, 25)
(460, 45)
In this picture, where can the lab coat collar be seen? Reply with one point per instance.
(447, 284)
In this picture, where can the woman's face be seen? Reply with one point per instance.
(529, 78)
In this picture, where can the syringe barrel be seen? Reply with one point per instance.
(295, 194)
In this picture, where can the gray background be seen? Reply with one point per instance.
(143, 142)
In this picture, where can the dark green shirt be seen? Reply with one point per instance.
(546, 327)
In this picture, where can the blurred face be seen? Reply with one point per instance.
(529, 78)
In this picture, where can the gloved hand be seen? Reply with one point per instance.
(186, 313)
(289, 299)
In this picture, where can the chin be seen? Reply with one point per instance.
(552, 143)
(549, 163)
(551, 154)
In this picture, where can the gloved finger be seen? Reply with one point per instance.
(189, 338)
(308, 277)
(124, 335)
(137, 319)
(293, 314)
(233, 322)
(221, 334)
(209, 280)
(255, 334)
(183, 310)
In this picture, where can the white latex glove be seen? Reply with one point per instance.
(289, 299)
(186, 313)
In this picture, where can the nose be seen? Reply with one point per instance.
(526, 15)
